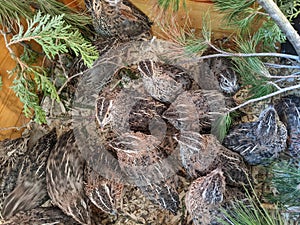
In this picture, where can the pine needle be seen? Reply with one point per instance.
(221, 126)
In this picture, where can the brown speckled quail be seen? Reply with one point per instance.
(205, 195)
(65, 178)
(102, 192)
(147, 168)
(12, 153)
(163, 82)
(30, 190)
(41, 215)
(195, 110)
(200, 154)
(288, 109)
(117, 19)
(261, 141)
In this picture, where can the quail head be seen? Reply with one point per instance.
(217, 74)
(204, 196)
(118, 18)
(30, 190)
(260, 141)
(288, 109)
(65, 178)
(162, 82)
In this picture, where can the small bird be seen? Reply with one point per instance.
(260, 141)
(41, 215)
(65, 178)
(30, 190)
(195, 110)
(118, 19)
(163, 82)
(201, 154)
(288, 109)
(217, 74)
(104, 193)
(147, 167)
(12, 153)
(205, 195)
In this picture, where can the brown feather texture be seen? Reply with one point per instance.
(205, 194)
(65, 179)
(118, 19)
(30, 190)
(41, 215)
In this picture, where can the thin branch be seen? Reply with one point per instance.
(280, 91)
(280, 19)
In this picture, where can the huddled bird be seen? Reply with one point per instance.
(202, 153)
(288, 109)
(163, 83)
(118, 19)
(195, 110)
(261, 141)
(146, 167)
(30, 186)
(41, 215)
(204, 196)
(65, 178)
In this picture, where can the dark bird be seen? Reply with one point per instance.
(65, 178)
(260, 141)
(30, 190)
(288, 109)
(205, 194)
(118, 19)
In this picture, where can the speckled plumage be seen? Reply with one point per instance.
(260, 141)
(204, 195)
(41, 215)
(119, 19)
(201, 154)
(288, 109)
(195, 110)
(147, 168)
(163, 82)
(65, 178)
(30, 190)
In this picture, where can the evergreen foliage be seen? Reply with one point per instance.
(55, 37)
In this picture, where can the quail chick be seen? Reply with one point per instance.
(65, 179)
(41, 215)
(217, 74)
(117, 19)
(163, 82)
(30, 190)
(147, 167)
(261, 141)
(105, 194)
(288, 109)
(195, 110)
(200, 154)
(205, 195)
(12, 153)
